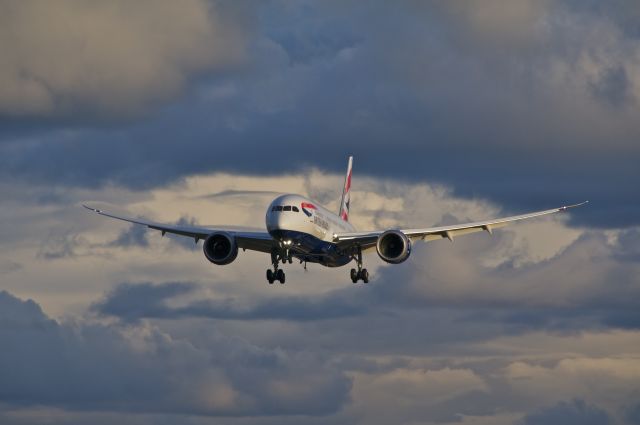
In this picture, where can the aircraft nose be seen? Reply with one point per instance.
(275, 220)
(282, 220)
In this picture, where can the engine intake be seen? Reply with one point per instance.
(393, 246)
(220, 248)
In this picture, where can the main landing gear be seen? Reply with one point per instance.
(276, 273)
(360, 274)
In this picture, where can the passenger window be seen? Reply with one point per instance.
(279, 208)
(295, 209)
(287, 208)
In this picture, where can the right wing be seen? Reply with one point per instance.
(369, 239)
(252, 240)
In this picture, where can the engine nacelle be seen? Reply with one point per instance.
(393, 246)
(220, 248)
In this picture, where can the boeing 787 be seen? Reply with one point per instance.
(300, 228)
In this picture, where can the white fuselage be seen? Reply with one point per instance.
(307, 228)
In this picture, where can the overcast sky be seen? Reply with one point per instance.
(201, 111)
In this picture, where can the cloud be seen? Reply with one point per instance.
(632, 414)
(468, 303)
(484, 330)
(586, 274)
(241, 193)
(454, 112)
(418, 391)
(613, 86)
(8, 266)
(576, 412)
(537, 275)
(17, 314)
(496, 23)
(132, 302)
(610, 380)
(554, 97)
(136, 235)
(85, 366)
(58, 245)
(111, 60)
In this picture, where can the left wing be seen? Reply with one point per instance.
(369, 239)
(252, 240)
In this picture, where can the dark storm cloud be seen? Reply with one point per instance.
(145, 300)
(613, 86)
(136, 301)
(576, 412)
(83, 366)
(17, 314)
(632, 414)
(624, 13)
(407, 89)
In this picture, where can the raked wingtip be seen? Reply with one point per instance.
(573, 206)
(91, 209)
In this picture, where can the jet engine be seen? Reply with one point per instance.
(220, 248)
(393, 246)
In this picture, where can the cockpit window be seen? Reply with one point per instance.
(279, 208)
(294, 208)
(287, 208)
(273, 208)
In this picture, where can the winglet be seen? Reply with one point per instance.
(572, 206)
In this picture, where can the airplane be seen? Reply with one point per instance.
(300, 228)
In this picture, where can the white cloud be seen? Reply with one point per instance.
(399, 394)
(512, 23)
(610, 382)
(112, 58)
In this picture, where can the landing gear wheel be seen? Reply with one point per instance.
(280, 275)
(270, 276)
(360, 273)
(364, 275)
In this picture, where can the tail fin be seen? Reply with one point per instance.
(346, 193)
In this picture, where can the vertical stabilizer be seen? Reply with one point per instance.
(346, 193)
